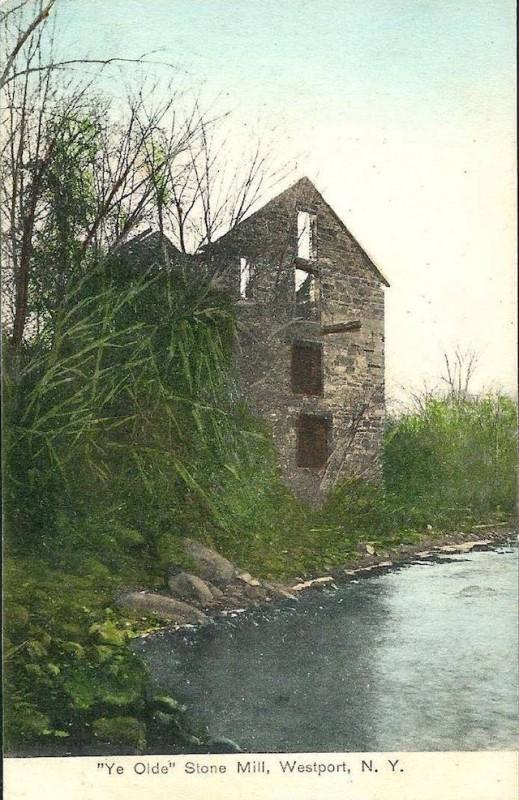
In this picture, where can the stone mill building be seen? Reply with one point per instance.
(310, 350)
(309, 354)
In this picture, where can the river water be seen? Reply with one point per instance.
(420, 658)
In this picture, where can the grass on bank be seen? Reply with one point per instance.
(125, 434)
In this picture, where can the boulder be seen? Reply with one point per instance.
(316, 583)
(247, 578)
(215, 591)
(221, 744)
(211, 565)
(482, 544)
(185, 586)
(250, 591)
(276, 591)
(164, 607)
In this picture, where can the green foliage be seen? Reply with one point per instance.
(449, 465)
(69, 674)
(453, 462)
(120, 730)
(134, 401)
(114, 413)
(70, 203)
(124, 435)
(274, 535)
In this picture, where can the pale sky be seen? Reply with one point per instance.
(401, 112)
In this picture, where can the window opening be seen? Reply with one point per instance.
(306, 235)
(312, 441)
(307, 368)
(246, 279)
(306, 293)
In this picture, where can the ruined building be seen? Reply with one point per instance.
(310, 354)
(310, 349)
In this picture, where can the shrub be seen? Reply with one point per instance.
(113, 416)
(454, 461)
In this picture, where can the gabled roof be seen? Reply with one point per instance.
(147, 249)
(339, 221)
(305, 185)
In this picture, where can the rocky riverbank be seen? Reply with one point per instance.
(215, 587)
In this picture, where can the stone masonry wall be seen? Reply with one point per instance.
(349, 289)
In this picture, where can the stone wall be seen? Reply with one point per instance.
(350, 289)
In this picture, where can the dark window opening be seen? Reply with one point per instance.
(312, 441)
(307, 368)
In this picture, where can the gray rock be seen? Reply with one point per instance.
(276, 591)
(251, 591)
(211, 565)
(466, 547)
(185, 586)
(221, 744)
(215, 591)
(247, 578)
(164, 607)
(316, 583)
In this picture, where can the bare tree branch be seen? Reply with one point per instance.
(59, 65)
(22, 39)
